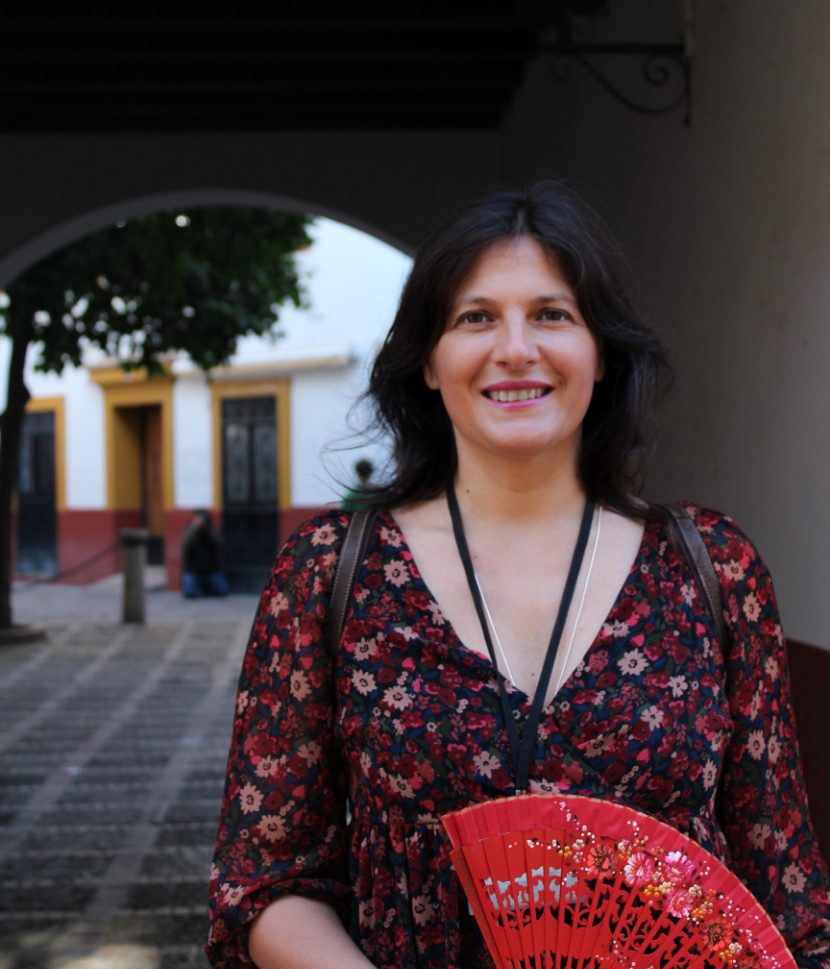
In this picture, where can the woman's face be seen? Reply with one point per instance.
(516, 364)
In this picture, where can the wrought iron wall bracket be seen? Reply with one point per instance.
(664, 67)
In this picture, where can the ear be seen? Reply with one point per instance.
(600, 373)
(429, 375)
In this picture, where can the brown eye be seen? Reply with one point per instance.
(473, 318)
(552, 315)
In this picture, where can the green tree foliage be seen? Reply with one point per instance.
(193, 281)
(141, 290)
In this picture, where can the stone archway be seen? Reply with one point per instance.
(75, 228)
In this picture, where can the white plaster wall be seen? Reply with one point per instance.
(727, 225)
(354, 283)
(192, 443)
(85, 456)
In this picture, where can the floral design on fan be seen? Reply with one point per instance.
(668, 879)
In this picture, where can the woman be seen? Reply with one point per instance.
(518, 386)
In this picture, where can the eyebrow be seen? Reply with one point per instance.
(486, 301)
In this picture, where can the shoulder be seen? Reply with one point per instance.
(305, 565)
(324, 528)
(734, 555)
(719, 531)
(316, 537)
(747, 593)
(316, 542)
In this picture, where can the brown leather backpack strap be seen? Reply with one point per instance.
(688, 540)
(348, 562)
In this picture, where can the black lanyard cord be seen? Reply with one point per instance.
(464, 552)
(521, 747)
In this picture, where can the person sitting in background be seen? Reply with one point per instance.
(201, 571)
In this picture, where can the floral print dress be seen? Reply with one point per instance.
(339, 771)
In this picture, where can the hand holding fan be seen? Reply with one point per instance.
(566, 882)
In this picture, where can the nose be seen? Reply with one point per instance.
(516, 343)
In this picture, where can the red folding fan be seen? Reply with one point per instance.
(564, 882)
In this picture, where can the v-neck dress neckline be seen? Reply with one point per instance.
(626, 590)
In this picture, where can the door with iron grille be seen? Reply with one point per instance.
(36, 511)
(250, 500)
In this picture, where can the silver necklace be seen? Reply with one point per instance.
(577, 617)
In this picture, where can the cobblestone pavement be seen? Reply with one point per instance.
(112, 747)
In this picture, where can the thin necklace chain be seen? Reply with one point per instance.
(577, 617)
(581, 602)
(495, 633)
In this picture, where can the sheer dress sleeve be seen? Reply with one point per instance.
(282, 827)
(762, 796)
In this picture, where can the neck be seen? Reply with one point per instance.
(516, 493)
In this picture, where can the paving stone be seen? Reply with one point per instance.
(127, 793)
(161, 928)
(96, 776)
(93, 838)
(177, 861)
(58, 896)
(167, 895)
(23, 757)
(190, 811)
(39, 866)
(93, 815)
(15, 795)
(188, 834)
(18, 778)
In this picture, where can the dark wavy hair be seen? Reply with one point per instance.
(618, 429)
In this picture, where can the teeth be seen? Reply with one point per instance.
(508, 396)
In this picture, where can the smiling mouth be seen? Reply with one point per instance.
(509, 396)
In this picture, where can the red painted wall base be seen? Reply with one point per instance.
(88, 544)
(89, 549)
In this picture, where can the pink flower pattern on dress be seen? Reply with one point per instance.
(407, 725)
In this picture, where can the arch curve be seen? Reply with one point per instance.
(77, 227)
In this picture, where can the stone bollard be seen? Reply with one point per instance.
(133, 553)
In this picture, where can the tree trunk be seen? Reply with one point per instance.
(11, 425)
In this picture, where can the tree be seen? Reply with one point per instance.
(139, 290)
